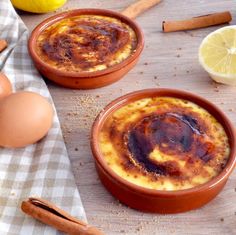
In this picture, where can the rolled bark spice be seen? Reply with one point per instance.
(3, 44)
(139, 7)
(50, 214)
(197, 22)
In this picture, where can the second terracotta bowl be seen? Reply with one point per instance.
(159, 200)
(85, 80)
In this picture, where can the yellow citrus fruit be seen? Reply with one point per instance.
(38, 6)
(217, 55)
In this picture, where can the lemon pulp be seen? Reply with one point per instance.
(217, 55)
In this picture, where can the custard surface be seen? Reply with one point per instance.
(164, 143)
(86, 43)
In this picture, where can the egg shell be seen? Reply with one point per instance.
(5, 86)
(25, 117)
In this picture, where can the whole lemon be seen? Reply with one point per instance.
(38, 6)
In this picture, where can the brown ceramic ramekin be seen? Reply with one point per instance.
(159, 200)
(85, 80)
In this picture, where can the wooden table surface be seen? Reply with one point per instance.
(173, 60)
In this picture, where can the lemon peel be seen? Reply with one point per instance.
(38, 6)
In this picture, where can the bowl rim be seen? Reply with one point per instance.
(125, 99)
(89, 11)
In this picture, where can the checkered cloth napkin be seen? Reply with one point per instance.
(42, 169)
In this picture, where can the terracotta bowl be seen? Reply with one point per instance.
(85, 80)
(161, 201)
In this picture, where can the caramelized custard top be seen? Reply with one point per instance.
(86, 43)
(164, 143)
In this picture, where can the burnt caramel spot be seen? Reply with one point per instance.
(174, 134)
(140, 147)
(85, 43)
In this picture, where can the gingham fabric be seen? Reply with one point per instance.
(42, 169)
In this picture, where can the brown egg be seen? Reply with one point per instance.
(25, 117)
(5, 86)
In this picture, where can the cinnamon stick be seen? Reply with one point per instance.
(50, 214)
(3, 44)
(197, 22)
(139, 7)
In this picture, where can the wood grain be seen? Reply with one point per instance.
(169, 60)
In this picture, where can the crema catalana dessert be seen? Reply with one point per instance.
(164, 143)
(86, 43)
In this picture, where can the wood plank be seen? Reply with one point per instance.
(173, 58)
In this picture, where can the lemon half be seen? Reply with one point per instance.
(217, 55)
(38, 6)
